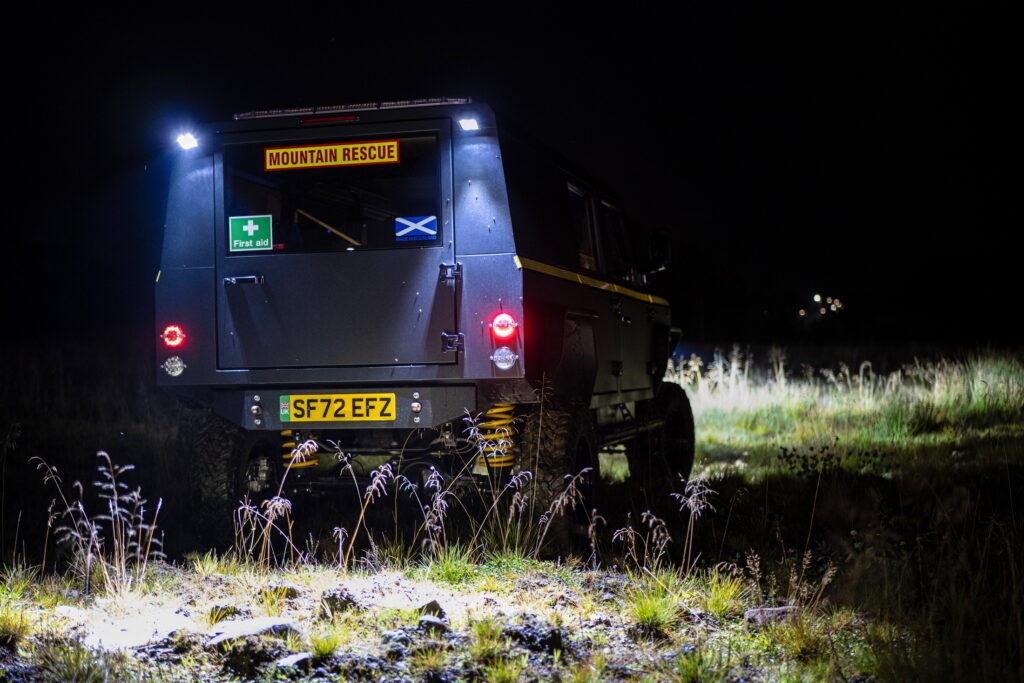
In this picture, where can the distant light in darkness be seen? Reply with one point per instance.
(469, 124)
(822, 306)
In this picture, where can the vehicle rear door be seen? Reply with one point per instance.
(329, 245)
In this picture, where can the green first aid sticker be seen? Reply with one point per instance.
(249, 233)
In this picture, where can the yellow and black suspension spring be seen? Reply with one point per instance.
(497, 447)
(290, 455)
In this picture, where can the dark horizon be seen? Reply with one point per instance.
(856, 154)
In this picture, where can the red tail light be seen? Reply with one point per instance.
(503, 325)
(173, 336)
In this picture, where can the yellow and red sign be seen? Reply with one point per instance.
(331, 154)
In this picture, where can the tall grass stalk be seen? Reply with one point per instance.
(256, 527)
(377, 488)
(121, 551)
(564, 503)
(694, 500)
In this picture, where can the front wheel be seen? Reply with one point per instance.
(661, 458)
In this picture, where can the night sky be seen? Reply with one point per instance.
(865, 153)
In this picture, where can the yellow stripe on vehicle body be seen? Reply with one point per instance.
(587, 281)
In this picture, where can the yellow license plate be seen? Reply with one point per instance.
(337, 407)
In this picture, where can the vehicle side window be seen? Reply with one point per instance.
(615, 244)
(580, 212)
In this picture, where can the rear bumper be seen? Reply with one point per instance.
(403, 407)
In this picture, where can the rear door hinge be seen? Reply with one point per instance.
(450, 271)
(453, 342)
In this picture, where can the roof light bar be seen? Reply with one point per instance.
(366, 106)
(330, 119)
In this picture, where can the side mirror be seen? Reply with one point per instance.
(661, 251)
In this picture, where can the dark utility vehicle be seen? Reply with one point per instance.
(409, 283)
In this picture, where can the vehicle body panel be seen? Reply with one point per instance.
(372, 320)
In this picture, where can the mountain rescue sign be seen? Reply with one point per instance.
(332, 154)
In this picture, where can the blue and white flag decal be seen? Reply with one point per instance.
(415, 228)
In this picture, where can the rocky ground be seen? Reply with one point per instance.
(500, 621)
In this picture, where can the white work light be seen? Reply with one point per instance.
(469, 124)
(187, 141)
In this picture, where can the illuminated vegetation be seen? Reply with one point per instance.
(928, 412)
(882, 507)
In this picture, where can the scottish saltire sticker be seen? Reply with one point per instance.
(250, 233)
(415, 228)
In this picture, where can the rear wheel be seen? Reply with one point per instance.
(215, 450)
(228, 465)
(559, 447)
(215, 454)
(661, 459)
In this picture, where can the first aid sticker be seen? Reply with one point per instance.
(250, 233)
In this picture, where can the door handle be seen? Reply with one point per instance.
(617, 312)
(244, 280)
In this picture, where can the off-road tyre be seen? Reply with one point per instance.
(222, 454)
(661, 459)
(216, 459)
(558, 442)
(215, 454)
